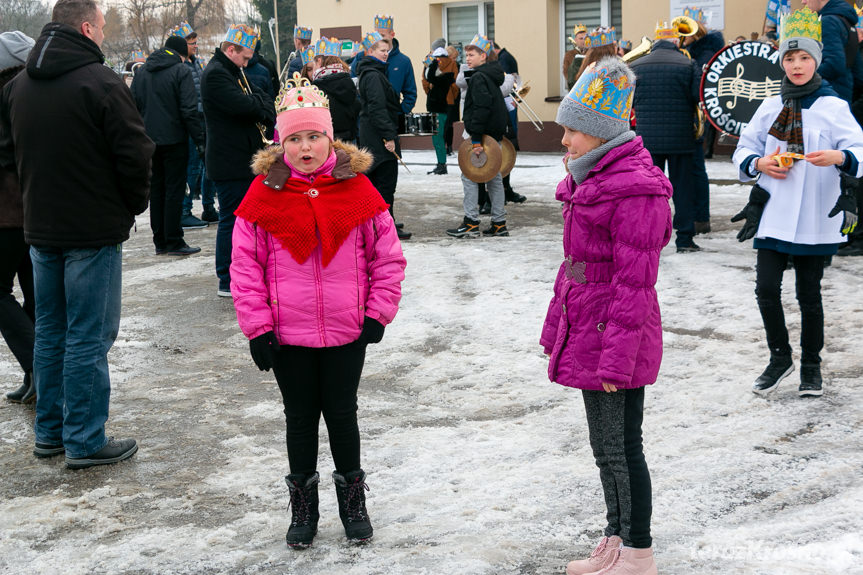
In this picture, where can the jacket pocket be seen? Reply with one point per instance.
(588, 331)
(559, 344)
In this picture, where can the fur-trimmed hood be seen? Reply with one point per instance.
(350, 160)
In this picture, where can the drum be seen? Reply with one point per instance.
(418, 124)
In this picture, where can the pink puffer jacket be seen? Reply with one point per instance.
(603, 323)
(307, 304)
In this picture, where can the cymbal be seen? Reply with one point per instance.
(482, 168)
(507, 152)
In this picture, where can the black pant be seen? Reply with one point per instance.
(451, 118)
(385, 177)
(614, 423)
(167, 189)
(680, 175)
(768, 290)
(315, 381)
(16, 322)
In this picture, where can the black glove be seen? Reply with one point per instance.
(202, 150)
(373, 332)
(847, 203)
(752, 212)
(262, 348)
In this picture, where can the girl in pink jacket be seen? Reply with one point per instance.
(603, 331)
(316, 274)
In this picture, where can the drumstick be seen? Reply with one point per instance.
(399, 159)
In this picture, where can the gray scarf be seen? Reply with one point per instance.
(579, 167)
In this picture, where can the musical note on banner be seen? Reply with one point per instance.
(738, 87)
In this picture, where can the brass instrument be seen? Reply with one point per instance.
(642, 49)
(284, 71)
(518, 93)
(247, 90)
(685, 25)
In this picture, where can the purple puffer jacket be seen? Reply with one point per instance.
(307, 304)
(603, 323)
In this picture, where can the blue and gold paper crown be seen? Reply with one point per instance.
(696, 14)
(383, 22)
(429, 59)
(599, 37)
(242, 35)
(138, 56)
(298, 92)
(307, 55)
(302, 33)
(370, 39)
(183, 30)
(859, 10)
(666, 31)
(598, 93)
(482, 43)
(328, 47)
(803, 23)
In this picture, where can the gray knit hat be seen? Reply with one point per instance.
(808, 45)
(600, 102)
(439, 43)
(14, 48)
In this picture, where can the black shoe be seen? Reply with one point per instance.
(351, 492)
(851, 249)
(26, 393)
(400, 225)
(48, 449)
(402, 234)
(810, 380)
(688, 249)
(440, 170)
(113, 452)
(468, 229)
(304, 509)
(161, 251)
(190, 222)
(777, 370)
(702, 228)
(485, 209)
(210, 215)
(184, 250)
(510, 195)
(496, 229)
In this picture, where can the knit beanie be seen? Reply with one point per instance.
(303, 107)
(178, 45)
(14, 48)
(600, 102)
(808, 45)
(439, 43)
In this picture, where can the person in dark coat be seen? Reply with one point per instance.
(666, 94)
(840, 55)
(302, 39)
(379, 120)
(333, 77)
(400, 70)
(164, 92)
(233, 115)
(438, 80)
(16, 321)
(81, 197)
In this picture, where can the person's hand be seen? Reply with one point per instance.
(262, 348)
(826, 158)
(477, 150)
(609, 387)
(767, 165)
(390, 145)
(752, 213)
(373, 332)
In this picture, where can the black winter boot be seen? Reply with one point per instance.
(351, 492)
(778, 368)
(440, 170)
(304, 509)
(810, 380)
(26, 393)
(496, 229)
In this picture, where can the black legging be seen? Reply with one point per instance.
(768, 290)
(316, 381)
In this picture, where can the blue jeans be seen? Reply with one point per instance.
(231, 193)
(196, 179)
(77, 320)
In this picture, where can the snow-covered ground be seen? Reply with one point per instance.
(476, 463)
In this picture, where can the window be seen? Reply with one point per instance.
(463, 21)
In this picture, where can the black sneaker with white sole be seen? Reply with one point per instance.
(113, 452)
(778, 369)
(468, 229)
(810, 380)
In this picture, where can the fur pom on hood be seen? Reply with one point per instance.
(350, 160)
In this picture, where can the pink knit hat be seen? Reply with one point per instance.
(301, 106)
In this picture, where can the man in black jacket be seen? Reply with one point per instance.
(164, 92)
(233, 114)
(81, 195)
(484, 114)
(666, 94)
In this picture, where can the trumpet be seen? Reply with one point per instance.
(518, 93)
(247, 90)
(685, 25)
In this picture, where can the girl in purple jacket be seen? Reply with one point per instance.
(603, 332)
(316, 274)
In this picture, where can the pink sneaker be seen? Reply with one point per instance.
(604, 554)
(630, 561)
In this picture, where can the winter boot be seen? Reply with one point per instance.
(604, 554)
(468, 229)
(496, 229)
(630, 561)
(304, 509)
(510, 195)
(777, 370)
(350, 491)
(26, 393)
(440, 170)
(810, 380)
(210, 215)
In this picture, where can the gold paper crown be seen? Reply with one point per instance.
(665, 31)
(298, 93)
(579, 28)
(802, 23)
